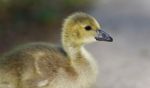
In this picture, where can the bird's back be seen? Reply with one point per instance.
(32, 64)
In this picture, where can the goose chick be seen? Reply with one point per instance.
(42, 65)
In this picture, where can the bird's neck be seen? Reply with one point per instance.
(73, 51)
(71, 47)
(77, 53)
(79, 57)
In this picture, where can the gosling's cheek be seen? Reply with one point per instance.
(89, 40)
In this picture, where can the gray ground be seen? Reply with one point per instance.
(125, 63)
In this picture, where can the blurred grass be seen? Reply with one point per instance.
(23, 21)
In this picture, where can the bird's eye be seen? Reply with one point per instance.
(88, 28)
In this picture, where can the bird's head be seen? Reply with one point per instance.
(81, 28)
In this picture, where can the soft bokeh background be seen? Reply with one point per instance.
(125, 63)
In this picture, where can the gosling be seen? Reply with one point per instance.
(42, 65)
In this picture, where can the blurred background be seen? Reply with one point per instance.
(125, 63)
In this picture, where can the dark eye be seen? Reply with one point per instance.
(88, 28)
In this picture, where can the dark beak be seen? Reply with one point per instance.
(103, 36)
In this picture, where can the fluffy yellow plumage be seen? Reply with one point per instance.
(42, 65)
